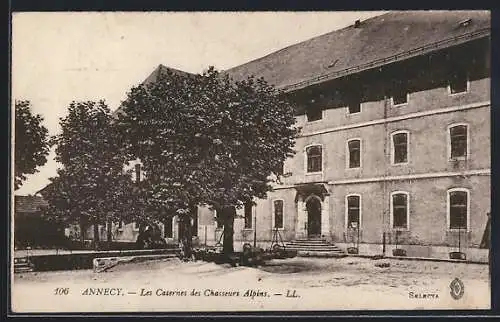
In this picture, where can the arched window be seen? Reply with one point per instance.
(400, 143)
(458, 141)
(458, 208)
(353, 211)
(278, 220)
(314, 158)
(400, 210)
(354, 153)
(248, 214)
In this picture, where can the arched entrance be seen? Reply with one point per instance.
(313, 206)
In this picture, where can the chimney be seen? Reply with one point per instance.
(357, 23)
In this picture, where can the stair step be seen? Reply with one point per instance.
(23, 270)
(22, 266)
(325, 248)
(307, 241)
(310, 245)
(315, 248)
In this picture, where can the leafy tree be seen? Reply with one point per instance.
(257, 134)
(208, 141)
(31, 142)
(91, 187)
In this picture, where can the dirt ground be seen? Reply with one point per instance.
(293, 284)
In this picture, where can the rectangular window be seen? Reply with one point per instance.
(458, 81)
(194, 220)
(458, 208)
(168, 228)
(135, 226)
(120, 224)
(248, 215)
(354, 147)
(400, 97)
(314, 113)
(354, 106)
(137, 172)
(353, 211)
(400, 210)
(458, 141)
(281, 169)
(314, 158)
(278, 214)
(400, 144)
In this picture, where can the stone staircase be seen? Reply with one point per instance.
(22, 265)
(316, 247)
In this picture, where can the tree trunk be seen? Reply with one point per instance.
(96, 234)
(109, 233)
(82, 230)
(228, 216)
(187, 240)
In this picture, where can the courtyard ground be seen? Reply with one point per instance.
(293, 284)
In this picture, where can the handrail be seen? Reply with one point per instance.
(382, 61)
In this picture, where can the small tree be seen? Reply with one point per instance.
(30, 143)
(92, 187)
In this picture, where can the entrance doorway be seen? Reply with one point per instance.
(313, 206)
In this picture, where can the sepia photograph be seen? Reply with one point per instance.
(250, 161)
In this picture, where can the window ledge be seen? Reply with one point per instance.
(456, 230)
(458, 94)
(400, 229)
(458, 159)
(248, 229)
(279, 229)
(313, 173)
(315, 121)
(400, 105)
(400, 164)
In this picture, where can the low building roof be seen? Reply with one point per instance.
(29, 204)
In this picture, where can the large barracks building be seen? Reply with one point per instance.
(395, 140)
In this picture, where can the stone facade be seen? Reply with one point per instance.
(425, 178)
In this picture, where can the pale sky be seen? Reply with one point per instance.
(60, 57)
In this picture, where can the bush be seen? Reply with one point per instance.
(34, 231)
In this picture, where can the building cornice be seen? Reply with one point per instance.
(399, 118)
(429, 175)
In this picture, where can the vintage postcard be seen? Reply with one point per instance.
(250, 161)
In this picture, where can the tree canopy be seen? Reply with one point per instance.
(31, 142)
(207, 140)
(92, 186)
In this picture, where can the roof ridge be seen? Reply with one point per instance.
(303, 42)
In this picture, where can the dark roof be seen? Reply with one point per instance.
(162, 68)
(153, 77)
(28, 204)
(377, 41)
